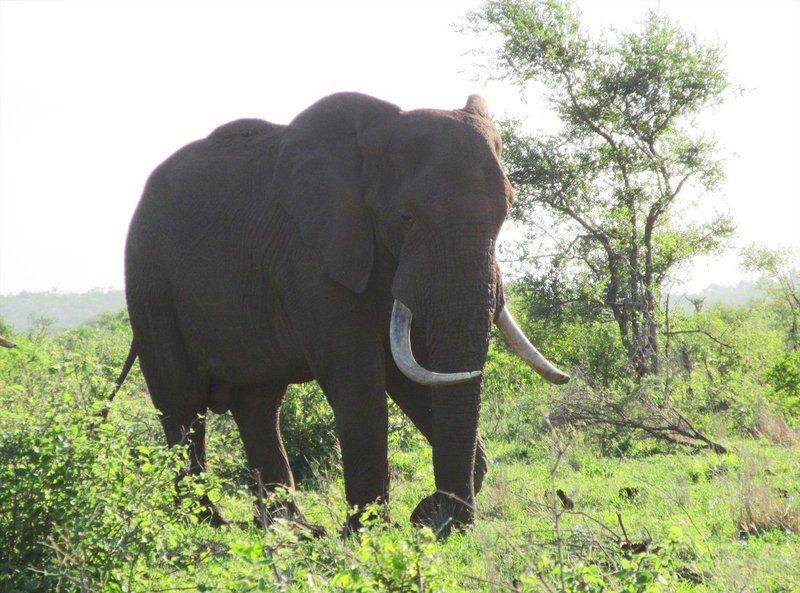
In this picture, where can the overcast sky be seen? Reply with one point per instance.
(94, 95)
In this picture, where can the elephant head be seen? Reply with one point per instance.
(425, 189)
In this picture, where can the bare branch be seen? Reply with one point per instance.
(584, 405)
(698, 331)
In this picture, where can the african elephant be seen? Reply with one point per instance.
(266, 255)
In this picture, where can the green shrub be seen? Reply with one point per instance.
(85, 504)
(308, 430)
(394, 561)
(43, 468)
(784, 376)
(379, 559)
(84, 501)
(514, 398)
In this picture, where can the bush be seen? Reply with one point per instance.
(716, 365)
(514, 398)
(85, 505)
(309, 431)
(83, 502)
(784, 376)
(377, 560)
(393, 561)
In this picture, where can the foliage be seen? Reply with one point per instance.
(308, 431)
(718, 362)
(610, 179)
(784, 376)
(88, 505)
(585, 342)
(779, 269)
(84, 503)
(641, 572)
(394, 562)
(619, 419)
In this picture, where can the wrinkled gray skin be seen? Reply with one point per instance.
(266, 255)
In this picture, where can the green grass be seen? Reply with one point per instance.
(89, 506)
(688, 508)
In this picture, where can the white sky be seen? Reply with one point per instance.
(94, 95)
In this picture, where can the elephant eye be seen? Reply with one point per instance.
(407, 218)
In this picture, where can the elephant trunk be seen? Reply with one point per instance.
(461, 342)
(400, 339)
(458, 309)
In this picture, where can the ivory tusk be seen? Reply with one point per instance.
(518, 342)
(400, 339)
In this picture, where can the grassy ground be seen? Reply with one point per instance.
(700, 522)
(89, 506)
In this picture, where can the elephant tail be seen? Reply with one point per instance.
(126, 368)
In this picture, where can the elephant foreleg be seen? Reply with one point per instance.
(356, 393)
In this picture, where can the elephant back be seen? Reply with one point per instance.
(246, 127)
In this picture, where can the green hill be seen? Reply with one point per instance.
(738, 294)
(57, 310)
(60, 310)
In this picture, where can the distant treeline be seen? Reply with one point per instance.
(738, 294)
(53, 311)
(27, 311)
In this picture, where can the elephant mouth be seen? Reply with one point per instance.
(400, 341)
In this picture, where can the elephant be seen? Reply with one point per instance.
(266, 255)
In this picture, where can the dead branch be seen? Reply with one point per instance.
(589, 407)
(699, 331)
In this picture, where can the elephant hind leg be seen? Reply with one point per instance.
(184, 423)
(191, 432)
(178, 389)
(256, 410)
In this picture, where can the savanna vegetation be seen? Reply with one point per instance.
(670, 463)
(605, 485)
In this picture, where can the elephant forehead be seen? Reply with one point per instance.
(448, 127)
(448, 151)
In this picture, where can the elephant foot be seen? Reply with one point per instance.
(210, 514)
(354, 523)
(308, 531)
(351, 525)
(288, 512)
(442, 513)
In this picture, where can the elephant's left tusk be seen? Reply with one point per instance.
(400, 340)
(515, 338)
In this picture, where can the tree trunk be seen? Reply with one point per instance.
(638, 327)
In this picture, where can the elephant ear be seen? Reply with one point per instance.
(318, 181)
(477, 105)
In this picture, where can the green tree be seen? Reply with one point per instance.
(611, 177)
(779, 270)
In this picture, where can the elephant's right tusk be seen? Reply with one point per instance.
(400, 339)
(515, 338)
